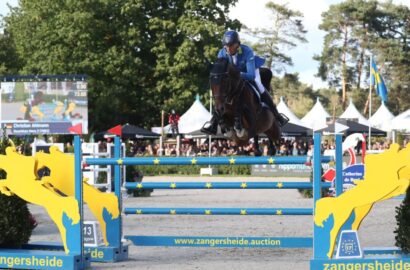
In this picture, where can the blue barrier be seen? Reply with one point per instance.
(219, 211)
(233, 160)
(222, 185)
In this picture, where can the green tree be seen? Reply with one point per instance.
(141, 56)
(393, 53)
(299, 97)
(9, 62)
(285, 33)
(349, 26)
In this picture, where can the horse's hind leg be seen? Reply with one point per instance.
(257, 152)
(274, 135)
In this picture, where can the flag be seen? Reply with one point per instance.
(117, 130)
(77, 129)
(377, 81)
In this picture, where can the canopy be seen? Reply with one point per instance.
(316, 117)
(293, 130)
(382, 118)
(348, 127)
(351, 112)
(129, 132)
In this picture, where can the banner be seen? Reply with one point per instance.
(46, 106)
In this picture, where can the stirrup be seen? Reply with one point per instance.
(282, 119)
(210, 130)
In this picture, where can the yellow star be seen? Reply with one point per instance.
(232, 161)
(193, 161)
(271, 161)
(119, 162)
(173, 211)
(279, 212)
(139, 211)
(280, 185)
(139, 185)
(243, 211)
(173, 185)
(332, 163)
(208, 212)
(208, 185)
(244, 185)
(156, 161)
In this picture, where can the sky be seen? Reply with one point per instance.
(253, 14)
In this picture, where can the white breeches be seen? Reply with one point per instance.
(258, 81)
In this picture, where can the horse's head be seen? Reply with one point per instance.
(223, 78)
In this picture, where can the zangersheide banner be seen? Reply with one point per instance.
(43, 104)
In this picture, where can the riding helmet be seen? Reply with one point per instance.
(230, 37)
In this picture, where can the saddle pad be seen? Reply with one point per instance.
(257, 94)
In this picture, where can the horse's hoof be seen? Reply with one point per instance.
(240, 133)
(228, 134)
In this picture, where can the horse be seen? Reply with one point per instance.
(229, 90)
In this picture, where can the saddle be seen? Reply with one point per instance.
(257, 95)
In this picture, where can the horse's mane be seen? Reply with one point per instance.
(222, 66)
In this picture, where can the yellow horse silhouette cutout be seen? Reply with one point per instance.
(103, 205)
(21, 181)
(386, 175)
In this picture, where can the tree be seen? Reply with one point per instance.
(286, 31)
(349, 27)
(393, 53)
(141, 56)
(9, 62)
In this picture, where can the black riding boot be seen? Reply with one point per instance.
(282, 119)
(212, 128)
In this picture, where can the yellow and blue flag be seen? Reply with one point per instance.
(377, 80)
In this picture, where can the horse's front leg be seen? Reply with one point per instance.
(257, 152)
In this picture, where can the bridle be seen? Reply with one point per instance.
(228, 97)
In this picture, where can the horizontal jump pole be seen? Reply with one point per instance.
(221, 242)
(221, 185)
(218, 211)
(203, 160)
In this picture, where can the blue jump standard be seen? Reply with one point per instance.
(204, 160)
(219, 211)
(222, 185)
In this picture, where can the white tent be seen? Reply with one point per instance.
(191, 121)
(316, 117)
(382, 118)
(351, 112)
(402, 122)
(283, 108)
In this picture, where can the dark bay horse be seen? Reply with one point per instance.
(230, 92)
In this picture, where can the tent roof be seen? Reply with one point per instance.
(193, 119)
(316, 117)
(382, 118)
(402, 121)
(283, 108)
(351, 112)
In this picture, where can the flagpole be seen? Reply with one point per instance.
(370, 104)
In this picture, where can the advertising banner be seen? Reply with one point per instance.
(43, 106)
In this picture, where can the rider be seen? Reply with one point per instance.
(248, 64)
